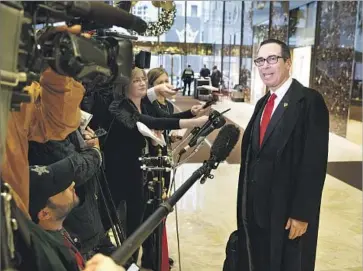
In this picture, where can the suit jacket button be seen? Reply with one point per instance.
(253, 181)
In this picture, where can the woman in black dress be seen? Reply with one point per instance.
(125, 144)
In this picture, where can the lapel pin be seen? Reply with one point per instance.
(286, 104)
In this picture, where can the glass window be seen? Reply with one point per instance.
(194, 11)
(179, 9)
(177, 31)
(246, 50)
(232, 23)
(232, 38)
(302, 25)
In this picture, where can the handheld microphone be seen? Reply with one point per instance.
(103, 13)
(214, 122)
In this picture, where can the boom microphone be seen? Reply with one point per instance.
(214, 122)
(223, 145)
(226, 139)
(98, 12)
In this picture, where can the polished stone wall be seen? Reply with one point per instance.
(334, 55)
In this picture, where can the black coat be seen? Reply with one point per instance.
(84, 221)
(287, 173)
(123, 147)
(125, 144)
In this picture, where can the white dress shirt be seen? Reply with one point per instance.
(280, 93)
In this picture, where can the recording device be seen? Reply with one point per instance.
(223, 145)
(215, 121)
(25, 53)
(99, 133)
(208, 104)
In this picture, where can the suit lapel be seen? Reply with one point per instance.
(251, 125)
(256, 126)
(292, 96)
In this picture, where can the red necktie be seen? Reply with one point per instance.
(266, 116)
(77, 255)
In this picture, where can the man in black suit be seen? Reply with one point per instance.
(283, 168)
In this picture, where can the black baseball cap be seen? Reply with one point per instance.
(47, 181)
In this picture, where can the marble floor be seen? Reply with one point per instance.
(207, 213)
(354, 131)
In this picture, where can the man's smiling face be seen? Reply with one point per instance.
(273, 75)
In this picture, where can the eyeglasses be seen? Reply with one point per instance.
(270, 60)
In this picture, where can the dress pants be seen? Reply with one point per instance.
(187, 83)
(261, 248)
(260, 245)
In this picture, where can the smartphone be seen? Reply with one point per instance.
(99, 132)
(208, 104)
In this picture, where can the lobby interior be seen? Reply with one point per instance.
(326, 43)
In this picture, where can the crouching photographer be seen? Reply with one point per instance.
(84, 222)
(52, 199)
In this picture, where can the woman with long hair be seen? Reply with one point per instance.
(125, 144)
(163, 107)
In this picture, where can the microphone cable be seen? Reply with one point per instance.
(173, 185)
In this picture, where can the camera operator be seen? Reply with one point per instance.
(125, 144)
(53, 114)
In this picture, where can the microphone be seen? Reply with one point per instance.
(192, 133)
(226, 139)
(214, 122)
(103, 13)
(223, 145)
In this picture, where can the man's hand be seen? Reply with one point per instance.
(165, 90)
(197, 110)
(100, 262)
(89, 137)
(297, 228)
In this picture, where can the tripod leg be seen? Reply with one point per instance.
(114, 209)
(114, 231)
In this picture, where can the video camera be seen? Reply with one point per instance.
(97, 61)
